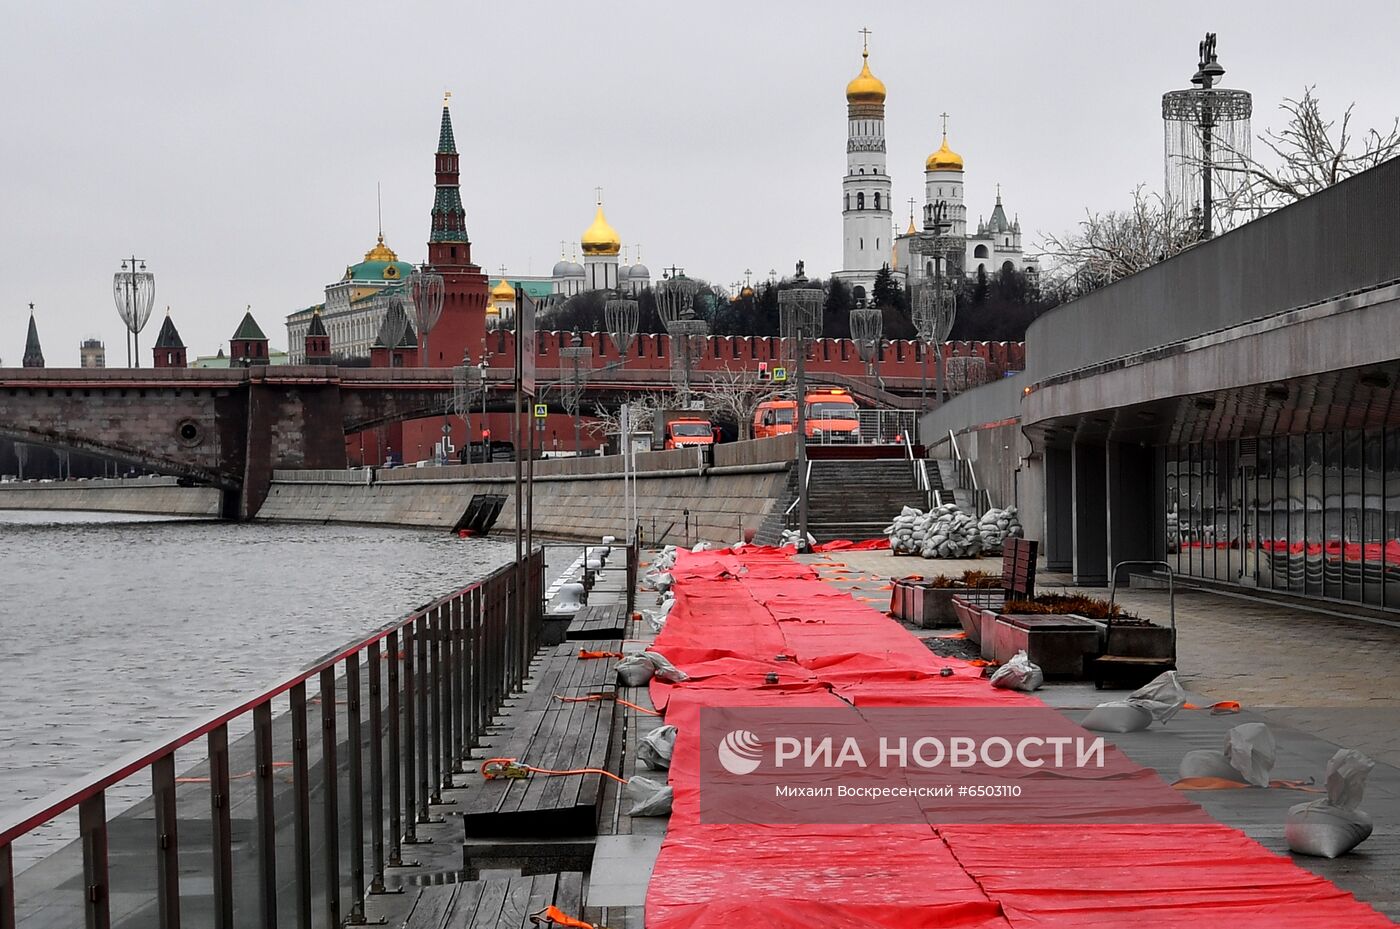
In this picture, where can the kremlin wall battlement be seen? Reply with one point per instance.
(575, 498)
(897, 358)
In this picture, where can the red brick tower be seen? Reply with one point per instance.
(248, 347)
(318, 341)
(463, 324)
(169, 350)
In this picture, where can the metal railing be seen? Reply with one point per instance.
(432, 682)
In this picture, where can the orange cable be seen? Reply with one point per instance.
(512, 764)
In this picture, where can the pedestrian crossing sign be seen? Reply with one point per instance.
(780, 374)
(541, 410)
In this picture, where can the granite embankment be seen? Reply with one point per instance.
(157, 496)
(574, 497)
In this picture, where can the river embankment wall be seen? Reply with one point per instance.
(574, 498)
(155, 496)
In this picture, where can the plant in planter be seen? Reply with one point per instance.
(1130, 636)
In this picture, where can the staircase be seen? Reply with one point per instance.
(858, 499)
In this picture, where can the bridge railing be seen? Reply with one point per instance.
(397, 715)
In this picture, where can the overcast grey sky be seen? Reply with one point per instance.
(236, 146)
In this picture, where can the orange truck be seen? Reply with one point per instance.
(681, 429)
(831, 416)
(774, 418)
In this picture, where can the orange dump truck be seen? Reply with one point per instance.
(681, 429)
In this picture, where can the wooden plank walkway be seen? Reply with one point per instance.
(601, 622)
(495, 903)
(555, 734)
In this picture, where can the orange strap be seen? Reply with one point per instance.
(981, 663)
(1224, 707)
(493, 768)
(616, 699)
(553, 916)
(584, 653)
(1221, 783)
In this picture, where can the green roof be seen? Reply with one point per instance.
(534, 288)
(375, 271)
(275, 356)
(248, 330)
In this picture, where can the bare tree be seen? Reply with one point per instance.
(1310, 155)
(1108, 246)
(737, 393)
(606, 422)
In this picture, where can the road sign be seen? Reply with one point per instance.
(446, 429)
(541, 410)
(780, 374)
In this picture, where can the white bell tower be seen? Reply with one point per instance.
(866, 211)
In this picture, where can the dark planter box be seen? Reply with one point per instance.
(1139, 641)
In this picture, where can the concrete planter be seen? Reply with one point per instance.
(1057, 643)
(934, 607)
(1139, 641)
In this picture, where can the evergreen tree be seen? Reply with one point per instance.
(836, 315)
(885, 291)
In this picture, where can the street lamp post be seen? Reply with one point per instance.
(575, 353)
(800, 315)
(134, 289)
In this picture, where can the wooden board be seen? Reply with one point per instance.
(554, 734)
(496, 903)
(593, 623)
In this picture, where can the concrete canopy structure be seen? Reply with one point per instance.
(1234, 410)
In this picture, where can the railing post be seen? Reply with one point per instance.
(376, 771)
(354, 732)
(423, 735)
(7, 888)
(92, 830)
(301, 806)
(222, 839)
(330, 808)
(266, 814)
(410, 775)
(479, 668)
(459, 683)
(440, 777)
(167, 844)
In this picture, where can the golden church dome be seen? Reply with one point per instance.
(866, 87)
(503, 291)
(945, 159)
(600, 238)
(381, 252)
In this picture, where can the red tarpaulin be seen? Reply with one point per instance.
(741, 617)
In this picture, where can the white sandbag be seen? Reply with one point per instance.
(656, 619)
(634, 671)
(1334, 826)
(1163, 696)
(1019, 673)
(701, 547)
(656, 747)
(609, 539)
(1117, 716)
(664, 582)
(664, 670)
(1325, 831)
(569, 598)
(649, 798)
(1250, 749)
(1206, 763)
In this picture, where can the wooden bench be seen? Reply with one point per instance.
(1018, 568)
(603, 621)
(496, 903)
(549, 733)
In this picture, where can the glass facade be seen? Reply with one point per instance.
(1315, 514)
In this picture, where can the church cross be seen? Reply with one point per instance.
(945, 124)
(503, 272)
(911, 209)
(865, 41)
(599, 192)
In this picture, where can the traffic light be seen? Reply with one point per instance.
(486, 435)
(763, 370)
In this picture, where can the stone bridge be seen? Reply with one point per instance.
(231, 428)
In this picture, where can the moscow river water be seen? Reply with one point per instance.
(116, 629)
